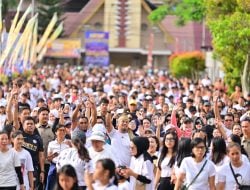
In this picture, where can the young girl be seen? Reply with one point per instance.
(226, 179)
(67, 178)
(104, 176)
(77, 156)
(166, 161)
(10, 167)
(192, 166)
(25, 160)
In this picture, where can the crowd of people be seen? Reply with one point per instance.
(74, 128)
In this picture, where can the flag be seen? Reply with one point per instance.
(27, 45)
(12, 37)
(47, 32)
(54, 35)
(22, 44)
(33, 54)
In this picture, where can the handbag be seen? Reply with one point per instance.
(241, 187)
(185, 186)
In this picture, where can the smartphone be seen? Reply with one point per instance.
(62, 106)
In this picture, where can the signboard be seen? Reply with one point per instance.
(96, 48)
(64, 48)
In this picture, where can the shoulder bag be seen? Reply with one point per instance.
(185, 186)
(241, 187)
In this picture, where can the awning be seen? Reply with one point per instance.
(136, 50)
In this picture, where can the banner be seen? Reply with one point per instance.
(64, 48)
(97, 48)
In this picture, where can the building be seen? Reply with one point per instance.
(131, 35)
(128, 27)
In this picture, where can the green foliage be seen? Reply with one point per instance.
(190, 10)
(46, 10)
(229, 24)
(8, 4)
(189, 64)
(159, 14)
(220, 8)
(185, 10)
(230, 28)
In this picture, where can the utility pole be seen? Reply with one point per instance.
(33, 8)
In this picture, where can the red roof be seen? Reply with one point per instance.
(73, 20)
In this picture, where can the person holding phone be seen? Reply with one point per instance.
(54, 149)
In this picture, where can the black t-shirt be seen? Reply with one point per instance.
(33, 144)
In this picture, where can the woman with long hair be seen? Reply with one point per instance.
(166, 161)
(183, 151)
(218, 154)
(198, 172)
(218, 151)
(236, 173)
(77, 156)
(66, 178)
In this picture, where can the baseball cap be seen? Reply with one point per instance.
(132, 101)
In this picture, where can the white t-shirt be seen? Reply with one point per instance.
(2, 121)
(191, 169)
(8, 161)
(124, 186)
(26, 166)
(225, 175)
(70, 156)
(120, 143)
(219, 165)
(54, 147)
(105, 153)
(98, 186)
(144, 168)
(166, 171)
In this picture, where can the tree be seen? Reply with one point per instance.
(188, 64)
(185, 10)
(46, 10)
(7, 4)
(229, 23)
